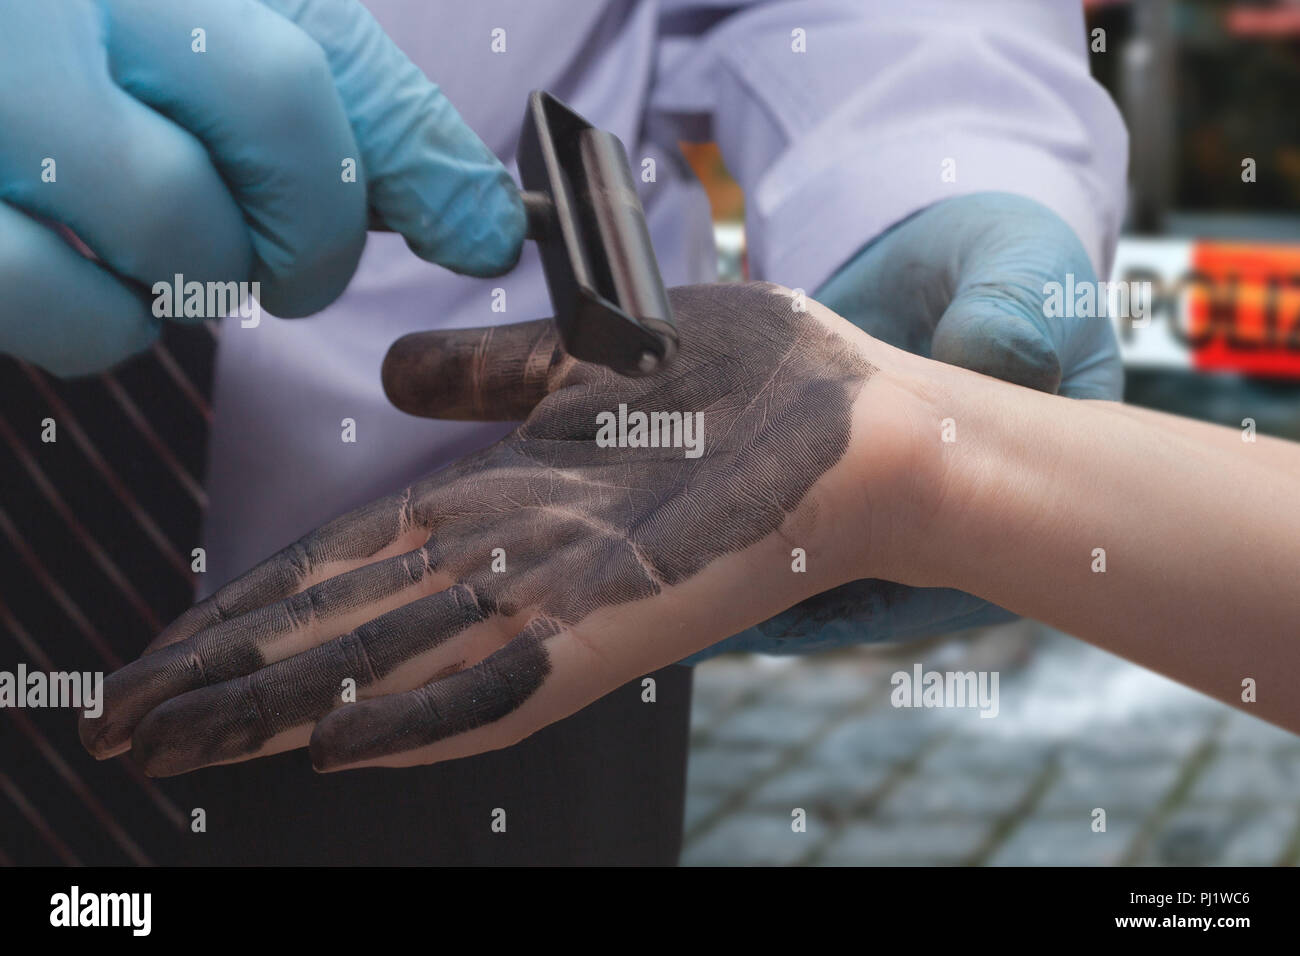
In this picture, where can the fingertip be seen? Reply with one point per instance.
(152, 746)
(133, 694)
(330, 748)
(307, 280)
(359, 734)
(1101, 379)
(102, 347)
(479, 229)
(92, 733)
(409, 370)
(64, 312)
(1000, 345)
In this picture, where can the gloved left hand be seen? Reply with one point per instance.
(962, 281)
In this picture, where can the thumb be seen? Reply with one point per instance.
(986, 329)
(1012, 258)
(428, 175)
(487, 375)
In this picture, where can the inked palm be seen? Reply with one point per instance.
(451, 605)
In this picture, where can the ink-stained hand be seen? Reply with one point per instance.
(518, 585)
(965, 281)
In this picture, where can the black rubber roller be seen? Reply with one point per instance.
(610, 303)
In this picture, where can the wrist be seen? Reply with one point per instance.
(918, 465)
(916, 493)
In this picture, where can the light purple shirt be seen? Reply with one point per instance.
(831, 145)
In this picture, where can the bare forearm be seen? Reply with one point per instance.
(1154, 542)
(1265, 450)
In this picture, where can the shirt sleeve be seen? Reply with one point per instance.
(841, 117)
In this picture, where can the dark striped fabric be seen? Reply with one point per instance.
(96, 534)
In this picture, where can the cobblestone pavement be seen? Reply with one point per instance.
(1182, 779)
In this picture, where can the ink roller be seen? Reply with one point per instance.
(609, 300)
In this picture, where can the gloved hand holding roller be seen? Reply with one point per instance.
(224, 163)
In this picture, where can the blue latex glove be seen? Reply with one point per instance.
(225, 165)
(962, 282)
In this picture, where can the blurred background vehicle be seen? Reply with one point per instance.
(1090, 760)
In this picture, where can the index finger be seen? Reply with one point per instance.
(429, 176)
